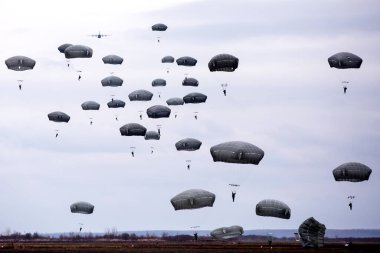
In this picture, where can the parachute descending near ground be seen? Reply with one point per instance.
(190, 82)
(167, 59)
(237, 152)
(158, 111)
(159, 27)
(225, 233)
(62, 47)
(20, 63)
(90, 105)
(133, 129)
(112, 59)
(345, 60)
(193, 199)
(140, 95)
(273, 208)
(112, 81)
(78, 51)
(115, 103)
(188, 144)
(195, 98)
(223, 62)
(59, 117)
(186, 61)
(175, 101)
(312, 233)
(82, 207)
(352, 172)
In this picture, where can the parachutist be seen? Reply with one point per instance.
(116, 119)
(175, 116)
(196, 117)
(195, 236)
(159, 132)
(79, 77)
(140, 117)
(344, 89)
(188, 166)
(80, 229)
(233, 196)
(91, 122)
(56, 135)
(225, 92)
(68, 65)
(19, 87)
(350, 205)
(133, 154)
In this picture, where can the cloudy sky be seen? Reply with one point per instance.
(283, 97)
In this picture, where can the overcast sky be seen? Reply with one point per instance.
(283, 98)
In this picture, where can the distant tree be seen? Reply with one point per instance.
(124, 236)
(28, 236)
(133, 237)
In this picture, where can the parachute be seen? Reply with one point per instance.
(352, 172)
(312, 233)
(193, 199)
(344, 60)
(62, 47)
(59, 117)
(152, 135)
(78, 51)
(159, 27)
(195, 98)
(273, 208)
(225, 233)
(140, 95)
(190, 82)
(115, 103)
(20, 63)
(82, 207)
(167, 59)
(175, 101)
(112, 81)
(237, 152)
(132, 129)
(158, 111)
(223, 62)
(158, 82)
(90, 105)
(112, 59)
(188, 144)
(186, 61)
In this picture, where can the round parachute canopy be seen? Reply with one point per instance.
(190, 82)
(273, 208)
(345, 60)
(158, 111)
(225, 233)
(116, 103)
(186, 61)
(112, 81)
(159, 27)
(140, 95)
(158, 82)
(132, 129)
(194, 98)
(237, 152)
(20, 63)
(188, 144)
(90, 105)
(62, 47)
(82, 207)
(112, 59)
(312, 233)
(152, 135)
(167, 59)
(352, 172)
(175, 101)
(193, 199)
(78, 51)
(223, 62)
(58, 117)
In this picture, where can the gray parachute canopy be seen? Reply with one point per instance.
(190, 82)
(352, 172)
(237, 152)
(175, 101)
(195, 98)
(20, 63)
(188, 144)
(159, 27)
(58, 117)
(90, 105)
(345, 60)
(312, 233)
(62, 47)
(112, 59)
(158, 111)
(192, 199)
(140, 95)
(133, 129)
(223, 62)
(158, 82)
(225, 233)
(273, 208)
(112, 81)
(152, 135)
(116, 103)
(82, 207)
(186, 61)
(167, 59)
(78, 51)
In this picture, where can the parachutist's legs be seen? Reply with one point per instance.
(19, 87)
(225, 92)
(56, 135)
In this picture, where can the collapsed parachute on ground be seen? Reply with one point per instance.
(133, 129)
(167, 59)
(152, 135)
(90, 105)
(195, 98)
(20, 63)
(175, 101)
(273, 208)
(115, 103)
(237, 152)
(223, 62)
(140, 95)
(344, 60)
(312, 233)
(62, 47)
(58, 117)
(352, 172)
(159, 27)
(112, 59)
(158, 82)
(188, 144)
(158, 111)
(186, 61)
(190, 82)
(225, 233)
(193, 199)
(82, 207)
(78, 51)
(112, 81)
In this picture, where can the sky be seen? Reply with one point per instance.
(283, 98)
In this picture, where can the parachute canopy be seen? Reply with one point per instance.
(59, 117)
(312, 233)
(195, 98)
(82, 207)
(90, 105)
(167, 59)
(116, 103)
(193, 199)
(152, 135)
(345, 60)
(159, 27)
(188, 144)
(225, 233)
(158, 111)
(223, 62)
(78, 51)
(273, 208)
(158, 82)
(237, 152)
(186, 61)
(352, 172)
(20, 63)
(112, 81)
(175, 101)
(62, 47)
(140, 95)
(190, 82)
(112, 59)
(132, 129)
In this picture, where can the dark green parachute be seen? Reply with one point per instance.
(186, 61)
(59, 117)
(188, 144)
(352, 172)
(167, 59)
(152, 135)
(140, 95)
(78, 51)
(62, 47)
(159, 82)
(195, 98)
(225, 233)
(345, 60)
(159, 27)
(115, 103)
(112, 81)
(223, 62)
(158, 111)
(175, 101)
(273, 208)
(133, 129)
(237, 152)
(112, 59)
(90, 105)
(193, 199)
(190, 82)
(20, 63)
(82, 207)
